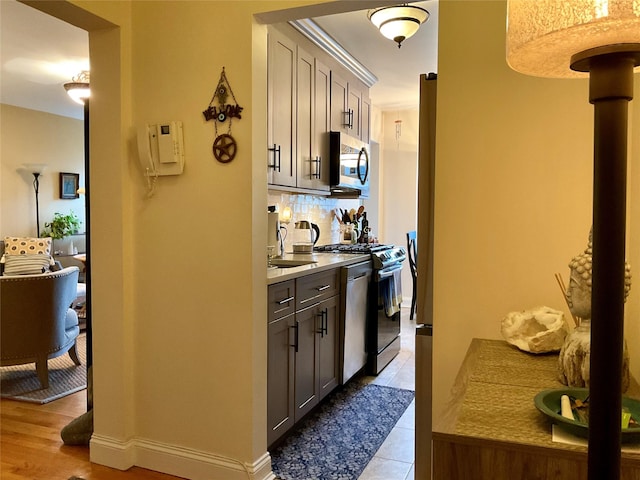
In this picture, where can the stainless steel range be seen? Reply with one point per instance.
(370, 311)
(383, 338)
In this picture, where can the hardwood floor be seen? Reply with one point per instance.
(31, 448)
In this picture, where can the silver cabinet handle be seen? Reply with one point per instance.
(286, 300)
(324, 287)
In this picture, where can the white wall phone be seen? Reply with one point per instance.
(161, 149)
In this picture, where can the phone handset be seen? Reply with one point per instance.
(144, 151)
(146, 159)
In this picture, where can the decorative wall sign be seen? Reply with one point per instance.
(224, 146)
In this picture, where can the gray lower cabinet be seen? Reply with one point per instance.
(316, 365)
(328, 349)
(303, 365)
(280, 375)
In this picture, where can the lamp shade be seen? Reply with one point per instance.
(35, 168)
(78, 92)
(79, 89)
(543, 35)
(399, 22)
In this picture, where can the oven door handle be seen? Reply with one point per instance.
(388, 271)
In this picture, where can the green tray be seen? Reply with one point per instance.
(548, 402)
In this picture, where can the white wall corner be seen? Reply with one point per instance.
(176, 460)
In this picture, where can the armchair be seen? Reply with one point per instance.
(36, 322)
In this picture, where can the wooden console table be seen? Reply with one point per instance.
(492, 430)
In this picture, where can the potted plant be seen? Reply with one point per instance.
(61, 226)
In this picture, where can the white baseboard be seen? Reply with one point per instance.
(174, 460)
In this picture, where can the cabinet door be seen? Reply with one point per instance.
(305, 119)
(365, 121)
(313, 171)
(322, 123)
(281, 129)
(306, 370)
(328, 364)
(354, 107)
(280, 378)
(339, 112)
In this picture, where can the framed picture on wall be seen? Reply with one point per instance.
(69, 185)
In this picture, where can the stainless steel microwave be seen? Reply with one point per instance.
(349, 166)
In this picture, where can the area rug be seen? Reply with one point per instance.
(337, 441)
(20, 382)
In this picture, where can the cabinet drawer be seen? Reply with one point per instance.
(317, 287)
(281, 298)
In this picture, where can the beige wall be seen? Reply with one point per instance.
(179, 287)
(29, 136)
(179, 346)
(513, 187)
(632, 323)
(399, 183)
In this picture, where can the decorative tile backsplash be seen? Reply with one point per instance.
(316, 209)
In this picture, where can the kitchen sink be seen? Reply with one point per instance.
(289, 263)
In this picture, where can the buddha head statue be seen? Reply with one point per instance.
(579, 290)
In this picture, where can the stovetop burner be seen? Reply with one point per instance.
(383, 256)
(352, 248)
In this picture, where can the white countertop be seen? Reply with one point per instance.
(324, 261)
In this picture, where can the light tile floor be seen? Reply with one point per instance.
(394, 460)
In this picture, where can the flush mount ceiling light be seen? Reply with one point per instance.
(398, 22)
(78, 88)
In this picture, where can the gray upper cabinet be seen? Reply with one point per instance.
(350, 109)
(339, 107)
(305, 121)
(323, 122)
(354, 108)
(313, 123)
(298, 103)
(305, 100)
(365, 120)
(281, 105)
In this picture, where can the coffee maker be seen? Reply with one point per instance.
(275, 237)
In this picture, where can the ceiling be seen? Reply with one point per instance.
(398, 69)
(40, 53)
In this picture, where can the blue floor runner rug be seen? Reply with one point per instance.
(337, 441)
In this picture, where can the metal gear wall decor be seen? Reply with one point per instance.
(224, 145)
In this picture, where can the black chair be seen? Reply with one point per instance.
(412, 250)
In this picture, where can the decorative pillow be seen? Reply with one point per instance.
(26, 264)
(27, 245)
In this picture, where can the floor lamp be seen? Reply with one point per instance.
(36, 170)
(559, 38)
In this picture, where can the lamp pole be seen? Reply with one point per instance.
(610, 91)
(36, 187)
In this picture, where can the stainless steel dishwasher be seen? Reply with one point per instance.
(355, 294)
